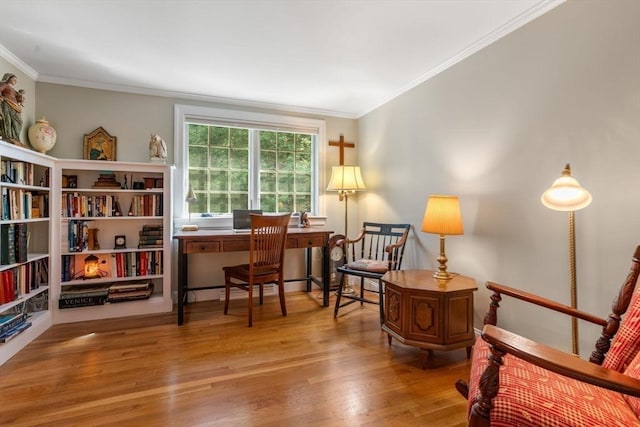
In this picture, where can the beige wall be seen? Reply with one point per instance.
(75, 111)
(497, 129)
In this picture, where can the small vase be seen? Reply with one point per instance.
(42, 136)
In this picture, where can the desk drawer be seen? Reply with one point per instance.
(305, 242)
(201, 247)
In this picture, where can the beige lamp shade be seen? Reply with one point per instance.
(442, 216)
(346, 179)
(566, 194)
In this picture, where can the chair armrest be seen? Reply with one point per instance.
(545, 302)
(348, 241)
(398, 244)
(562, 363)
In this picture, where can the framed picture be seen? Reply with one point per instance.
(99, 145)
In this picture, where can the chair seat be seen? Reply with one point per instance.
(369, 265)
(241, 272)
(532, 396)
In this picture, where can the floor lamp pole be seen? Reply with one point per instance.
(346, 216)
(574, 292)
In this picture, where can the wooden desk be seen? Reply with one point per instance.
(422, 313)
(206, 241)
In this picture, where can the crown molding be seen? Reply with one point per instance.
(194, 97)
(17, 62)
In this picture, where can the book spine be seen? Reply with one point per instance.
(81, 301)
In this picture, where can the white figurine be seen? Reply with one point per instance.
(157, 149)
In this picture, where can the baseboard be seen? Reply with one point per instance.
(218, 294)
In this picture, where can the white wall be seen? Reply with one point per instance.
(497, 129)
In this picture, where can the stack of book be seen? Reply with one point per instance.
(12, 324)
(107, 180)
(83, 295)
(150, 237)
(130, 291)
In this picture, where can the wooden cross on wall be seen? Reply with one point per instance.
(342, 146)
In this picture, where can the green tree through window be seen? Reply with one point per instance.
(223, 162)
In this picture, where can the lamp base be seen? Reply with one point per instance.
(190, 227)
(443, 275)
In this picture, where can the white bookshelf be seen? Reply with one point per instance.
(83, 175)
(35, 298)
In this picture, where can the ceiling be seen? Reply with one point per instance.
(333, 57)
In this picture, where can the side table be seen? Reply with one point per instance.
(421, 312)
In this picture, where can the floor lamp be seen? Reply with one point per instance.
(346, 180)
(566, 195)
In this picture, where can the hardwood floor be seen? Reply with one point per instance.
(306, 369)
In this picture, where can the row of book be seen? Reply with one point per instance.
(23, 204)
(12, 324)
(13, 243)
(17, 172)
(76, 205)
(18, 281)
(119, 264)
(150, 236)
(99, 294)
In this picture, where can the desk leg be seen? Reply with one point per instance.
(308, 268)
(325, 277)
(182, 281)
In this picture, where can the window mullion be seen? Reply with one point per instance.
(254, 169)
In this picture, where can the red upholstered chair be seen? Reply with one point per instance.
(518, 382)
(266, 260)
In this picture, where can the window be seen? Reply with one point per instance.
(239, 160)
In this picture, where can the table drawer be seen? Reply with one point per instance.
(201, 247)
(306, 242)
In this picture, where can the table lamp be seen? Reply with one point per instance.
(566, 195)
(190, 199)
(442, 216)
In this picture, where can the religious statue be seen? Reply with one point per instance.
(11, 103)
(157, 149)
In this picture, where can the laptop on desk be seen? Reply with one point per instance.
(242, 219)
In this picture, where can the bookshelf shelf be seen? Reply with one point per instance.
(25, 246)
(90, 219)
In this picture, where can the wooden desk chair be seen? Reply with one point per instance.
(266, 260)
(377, 249)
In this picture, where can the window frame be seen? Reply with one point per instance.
(238, 118)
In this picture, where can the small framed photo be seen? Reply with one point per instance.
(99, 145)
(72, 181)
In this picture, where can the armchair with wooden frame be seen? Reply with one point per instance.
(518, 382)
(377, 249)
(266, 261)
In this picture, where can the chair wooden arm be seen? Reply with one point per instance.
(562, 363)
(397, 245)
(538, 300)
(348, 241)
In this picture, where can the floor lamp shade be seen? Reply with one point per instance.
(345, 180)
(566, 194)
(442, 216)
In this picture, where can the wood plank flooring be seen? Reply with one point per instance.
(306, 369)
